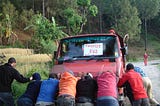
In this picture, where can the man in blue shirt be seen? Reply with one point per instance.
(48, 91)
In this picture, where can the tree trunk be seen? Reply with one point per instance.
(145, 26)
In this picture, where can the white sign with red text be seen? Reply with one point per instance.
(93, 49)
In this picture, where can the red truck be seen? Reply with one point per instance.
(90, 53)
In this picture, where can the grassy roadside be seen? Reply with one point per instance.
(27, 64)
(136, 50)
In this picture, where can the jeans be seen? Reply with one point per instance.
(84, 101)
(41, 103)
(6, 99)
(24, 101)
(107, 101)
(65, 100)
(141, 102)
(84, 104)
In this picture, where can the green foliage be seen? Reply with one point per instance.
(46, 33)
(19, 88)
(84, 3)
(73, 20)
(18, 44)
(69, 12)
(10, 10)
(24, 18)
(129, 21)
(93, 10)
(47, 46)
(125, 17)
(147, 9)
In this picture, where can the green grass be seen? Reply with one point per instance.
(136, 50)
(19, 88)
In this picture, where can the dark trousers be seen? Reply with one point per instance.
(24, 101)
(65, 100)
(141, 102)
(6, 99)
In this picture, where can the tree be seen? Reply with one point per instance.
(145, 9)
(46, 33)
(124, 18)
(8, 22)
(75, 16)
(85, 8)
(128, 21)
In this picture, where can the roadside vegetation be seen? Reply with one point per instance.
(27, 63)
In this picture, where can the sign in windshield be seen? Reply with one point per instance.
(93, 49)
(81, 47)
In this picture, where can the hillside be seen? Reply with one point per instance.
(22, 36)
(137, 49)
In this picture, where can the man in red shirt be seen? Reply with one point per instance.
(134, 86)
(107, 89)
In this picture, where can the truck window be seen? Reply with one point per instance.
(83, 47)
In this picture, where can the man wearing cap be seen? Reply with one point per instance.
(7, 74)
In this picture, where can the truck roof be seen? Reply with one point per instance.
(83, 35)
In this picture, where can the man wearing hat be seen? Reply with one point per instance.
(7, 74)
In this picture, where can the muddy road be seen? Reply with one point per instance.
(153, 72)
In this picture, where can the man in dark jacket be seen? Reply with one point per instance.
(86, 91)
(30, 96)
(7, 74)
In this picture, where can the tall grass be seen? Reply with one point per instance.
(16, 51)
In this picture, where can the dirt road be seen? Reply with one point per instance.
(153, 72)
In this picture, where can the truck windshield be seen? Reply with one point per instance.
(90, 46)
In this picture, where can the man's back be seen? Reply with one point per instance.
(48, 90)
(135, 81)
(67, 84)
(107, 85)
(86, 88)
(7, 75)
(5, 78)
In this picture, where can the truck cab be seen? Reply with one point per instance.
(92, 53)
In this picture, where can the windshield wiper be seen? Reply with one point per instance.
(92, 58)
(101, 58)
